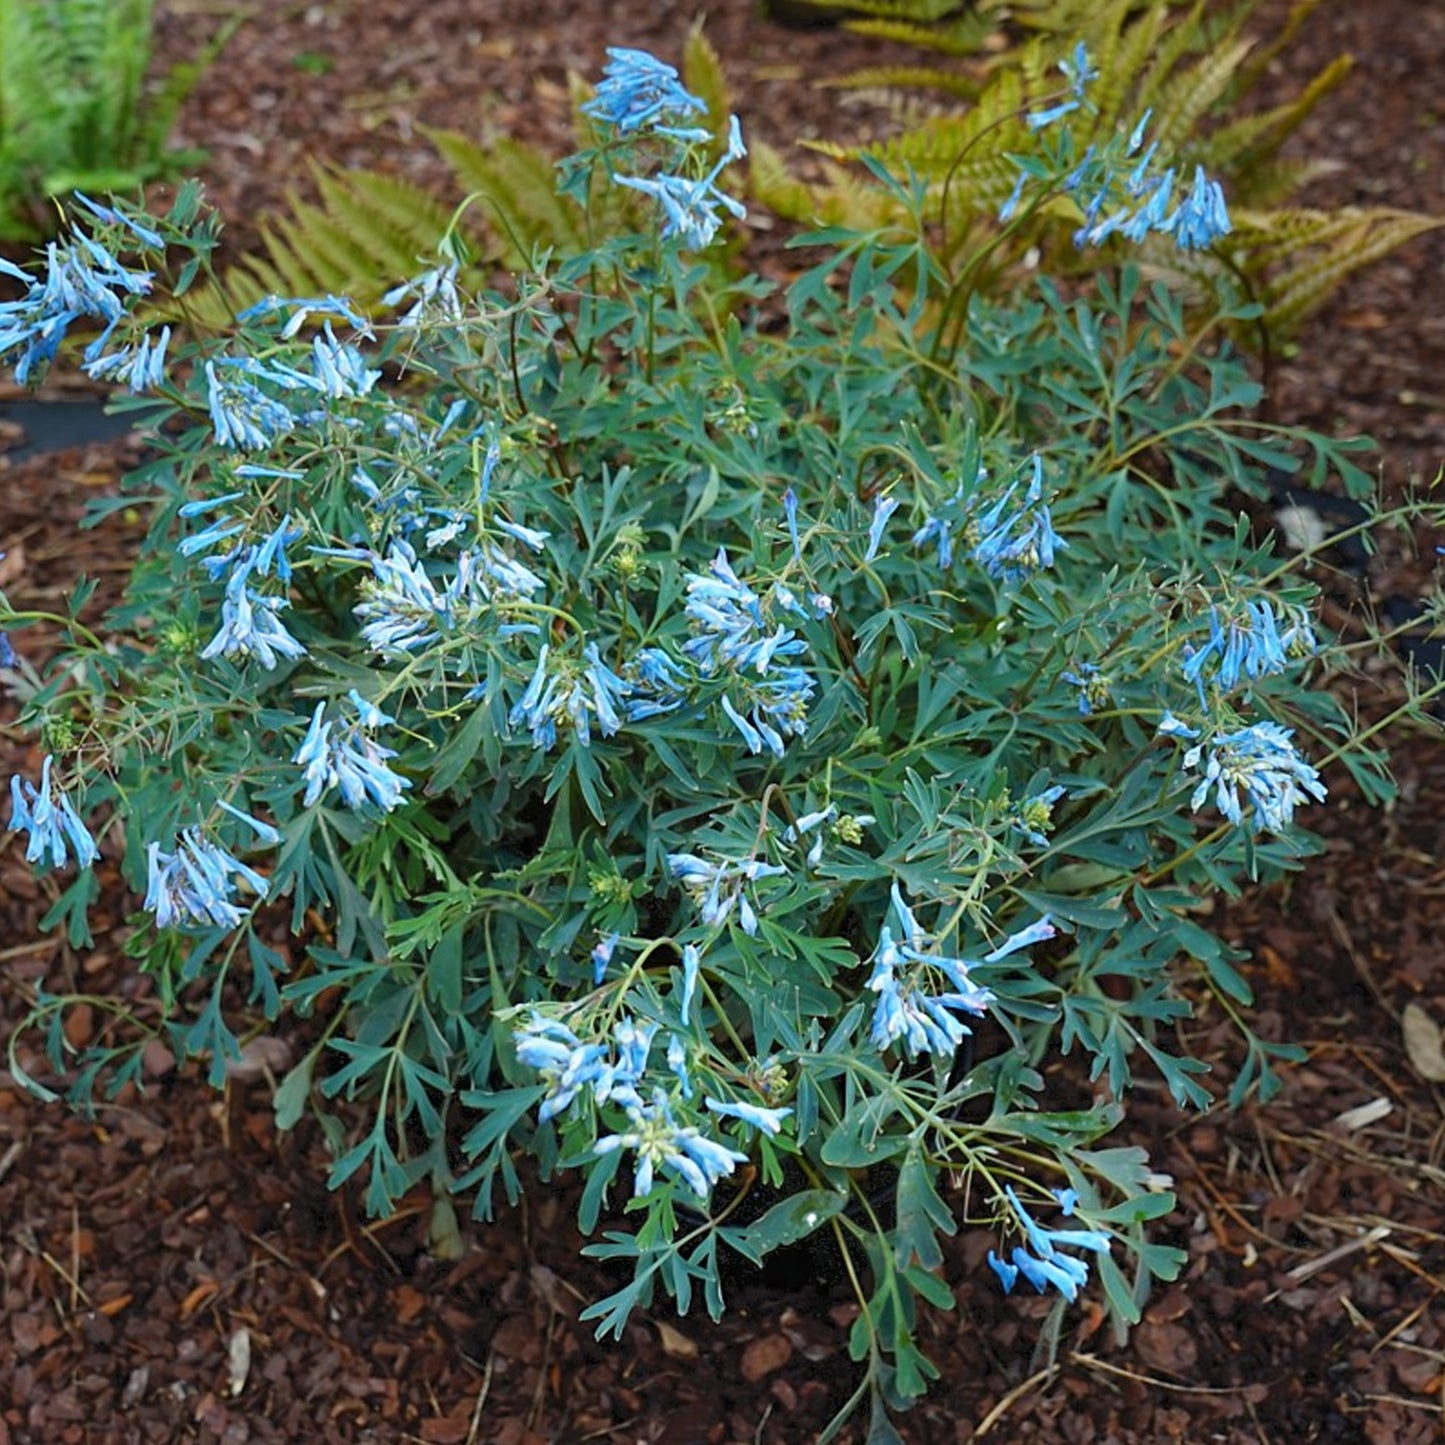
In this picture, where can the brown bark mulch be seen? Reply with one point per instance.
(173, 1269)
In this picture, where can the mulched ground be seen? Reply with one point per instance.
(175, 1270)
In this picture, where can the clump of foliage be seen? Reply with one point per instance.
(726, 759)
(963, 118)
(79, 108)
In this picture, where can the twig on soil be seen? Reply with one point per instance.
(1311, 1267)
(482, 1394)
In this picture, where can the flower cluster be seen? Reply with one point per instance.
(195, 884)
(639, 93)
(683, 1151)
(48, 815)
(81, 278)
(1261, 762)
(352, 760)
(562, 692)
(906, 1013)
(1008, 541)
(735, 634)
(1048, 1264)
(1252, 643)
(717, 888)
(567, 1065)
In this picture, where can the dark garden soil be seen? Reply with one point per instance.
(174, 1269)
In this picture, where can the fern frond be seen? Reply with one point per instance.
(1184, 99)
(907, 77)
(702, 74)
(1248, 145)
(519, 184)
(1299, 288)
(962, 37)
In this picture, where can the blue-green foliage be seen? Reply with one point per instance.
(667, 719)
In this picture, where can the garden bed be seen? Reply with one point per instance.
(174, 1268)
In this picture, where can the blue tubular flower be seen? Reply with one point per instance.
(436, 296)
(691, 963)
(48, 815)
(113, 216)
(765, 1121)
(790, 513)
(677, 1063)
(1048, 1265)
(906, 1012)
(242, 415)
(1093, 685)
(1249, 644)
(264, 832)
(637, 90)
(352, 760)
(1012, 545)
(718, 888)
(195, 884)
(683, 1152)
(602, 956)
(883, 508)
(250, 625)
(141, 368)
(1261, 761)
(1171, 727)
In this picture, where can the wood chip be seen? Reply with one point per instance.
(765, 1355)
(1422, 1043)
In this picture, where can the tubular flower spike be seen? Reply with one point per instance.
(567, 1065)
(303, 308)
(80, 278)
(1259, 761)
(196, 883)
(48, 815)
(637, 90)
(242, 415)
(250, 623)
(691, 966)
(718, 888)
(658, 685)
(662, 1144)
(734, 632)
(1013, 544)
(602, 956)
(562, 692)
(1252, 643)
(141, 368)
(883, 508)
(924, 1022)
(1048, 1264)
(436, 297)
(352, 760)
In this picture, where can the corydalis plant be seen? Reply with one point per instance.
(669, 739)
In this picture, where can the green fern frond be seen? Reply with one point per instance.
(844, 199)
(965, 36)
(1292, 293)
(908, 77)
(1249, 145)
(702, 74)
(1186, 99)
(518, 183)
